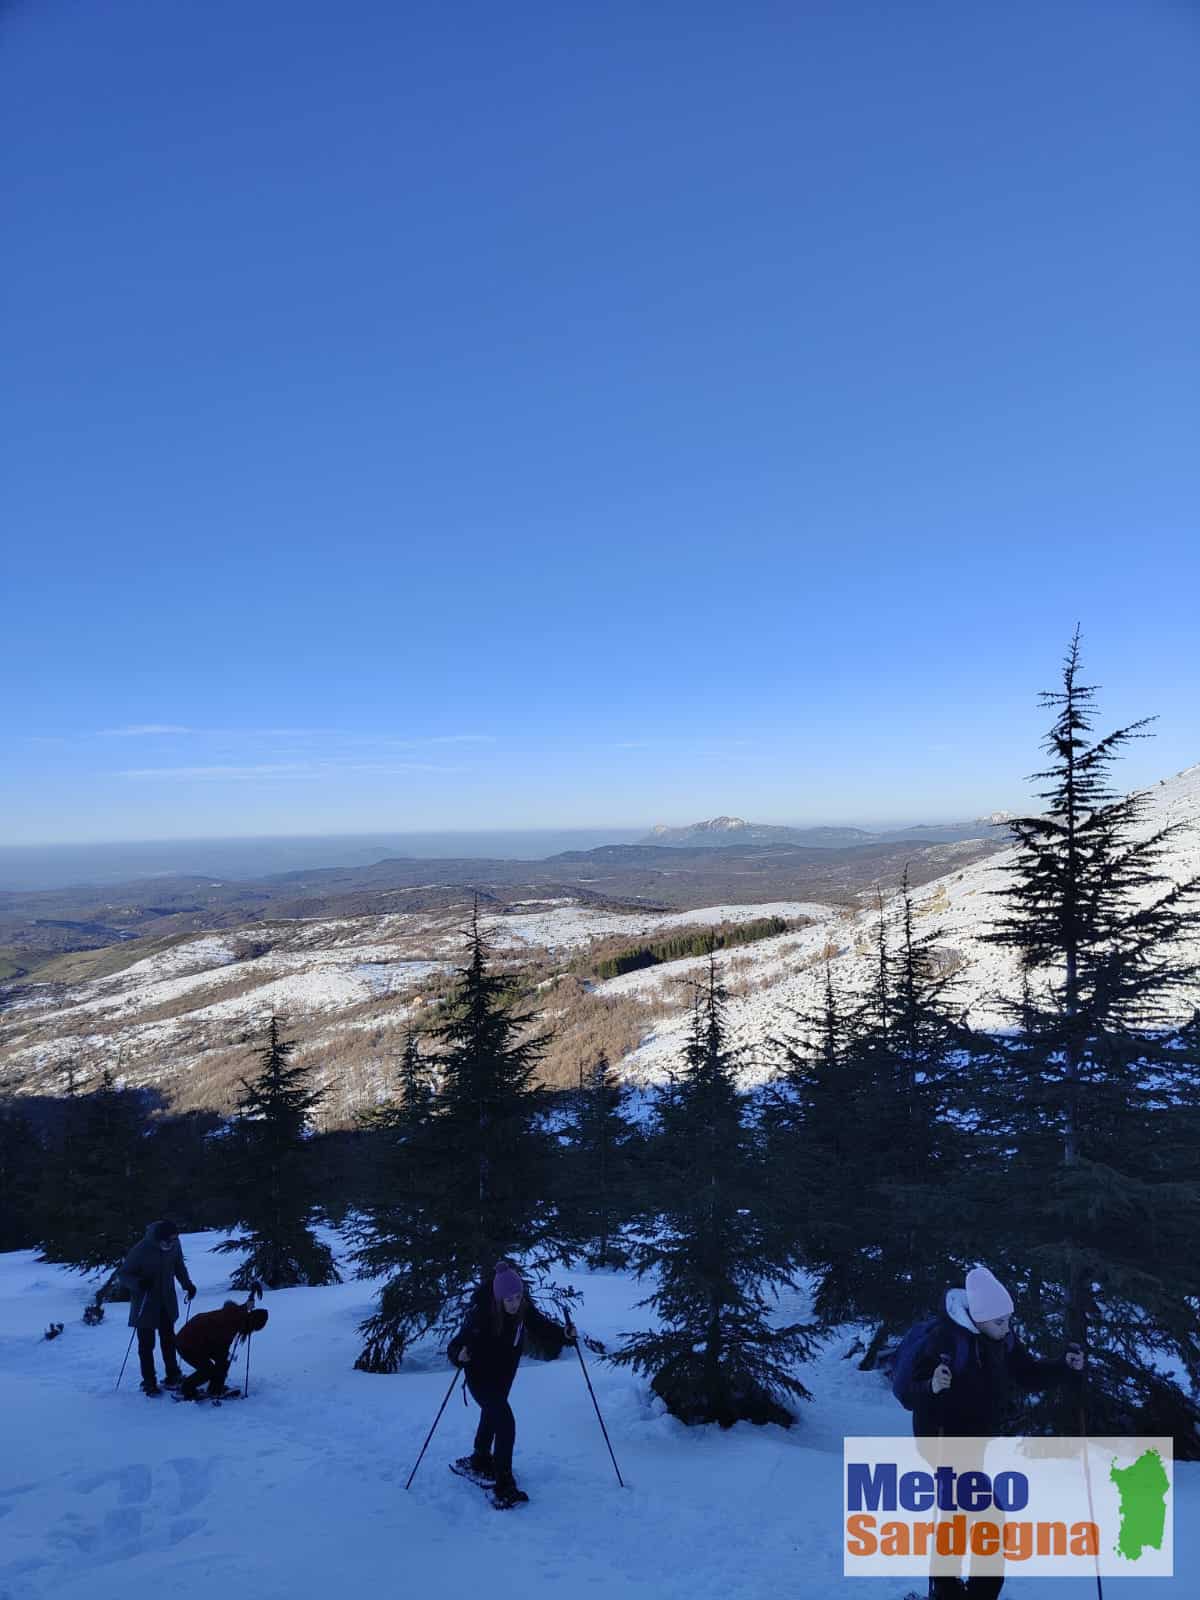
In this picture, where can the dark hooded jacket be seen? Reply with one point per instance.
(150, 1273)
(210, 1336)
(984, 1373)
(495, 1352)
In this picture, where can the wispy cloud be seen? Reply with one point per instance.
(290, 769)
(340, 735)
(280, 769)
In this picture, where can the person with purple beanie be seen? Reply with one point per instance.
(500, 1320)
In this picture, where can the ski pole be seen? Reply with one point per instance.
(946, 1360)
(1087, 1471)
(430, 1434)
(255, 1289)
(571, 1328)
(129, 1346)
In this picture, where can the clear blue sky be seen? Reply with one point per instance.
(493, 416)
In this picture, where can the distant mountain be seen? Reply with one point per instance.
(721, 832)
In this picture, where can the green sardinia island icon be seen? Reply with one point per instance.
(1143, 1491)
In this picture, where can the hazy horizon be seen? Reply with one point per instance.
(80, 863)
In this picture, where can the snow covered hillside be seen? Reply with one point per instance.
(775, 978)
(297, 1493)
(187, 1016)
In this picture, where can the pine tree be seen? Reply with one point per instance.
(1092, 1108)
(602, 1164)
(272, 1177)
(63, 1230)
(20, 1154)
(117, 1171)
(715, 1251)
(866, 1128)
(482, 1169)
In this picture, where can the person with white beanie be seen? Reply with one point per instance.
(959, 1383)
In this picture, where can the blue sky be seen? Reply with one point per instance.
(435, 416)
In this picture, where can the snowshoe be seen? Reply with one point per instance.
(184, 1396)
(478, 1469)
(506, 1495)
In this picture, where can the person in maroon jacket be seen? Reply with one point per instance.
(206, 1343)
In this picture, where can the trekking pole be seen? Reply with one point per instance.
(1087, 1471)
(571, 1328)
(945, 1359)
(129, 1346)
(255, 1289)
(430, 1434)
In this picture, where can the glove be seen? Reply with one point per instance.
(189, 1294)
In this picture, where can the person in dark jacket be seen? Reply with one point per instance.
(968, 1396)
(150, 1272)
(500, 1320)
(206, 1344)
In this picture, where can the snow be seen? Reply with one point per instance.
(575, 926)
(787, 974)
(297, 1492)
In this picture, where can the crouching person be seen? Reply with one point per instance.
(207, 1343)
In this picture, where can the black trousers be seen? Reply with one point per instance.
(166, 1338)
(976, 1588)
(497, 1430)
(209, 1371)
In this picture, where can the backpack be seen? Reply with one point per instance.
(911, 1346)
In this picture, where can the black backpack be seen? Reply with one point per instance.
(910, 1347)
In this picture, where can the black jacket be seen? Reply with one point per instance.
(984, 1370)
(495, 1354)
(149, 1272)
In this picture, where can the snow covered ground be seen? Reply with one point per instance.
(786, 975)
(298, 1492)
(342, 977)
(571, 926)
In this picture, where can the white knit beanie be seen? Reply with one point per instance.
(987, 1298)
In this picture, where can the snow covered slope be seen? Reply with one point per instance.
(188, 1016)
(784, 975)
(297, 1493)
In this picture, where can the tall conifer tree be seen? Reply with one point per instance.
(1092, 1104)
(862, 1120)
(715, 1250)
(20, 1156)
(602, 1164)
(273, 1177)
(484, 1163)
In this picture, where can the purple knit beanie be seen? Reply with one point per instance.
(507, 1281)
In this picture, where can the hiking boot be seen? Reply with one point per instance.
(506, 1493)
(150, 1386)
(172, 1380)
(481, 1466)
